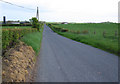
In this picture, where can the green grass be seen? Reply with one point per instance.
(34, 40)
(108, 43)
(4, 27)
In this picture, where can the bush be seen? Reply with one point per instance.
(72, 31)
(75, 32)
(35, 23)
(78, 32)
(85, 32)
(64, 30)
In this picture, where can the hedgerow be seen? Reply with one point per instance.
(57, 29)
(16, 24)
(11, 36)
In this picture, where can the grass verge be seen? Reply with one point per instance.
(33, 39)
(103, 44)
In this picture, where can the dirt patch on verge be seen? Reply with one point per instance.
(18, 64)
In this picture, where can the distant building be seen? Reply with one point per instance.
(25, 23)
(64, 23)
(13, 22)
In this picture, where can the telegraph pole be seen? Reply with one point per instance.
(37, 15)
(4, 20)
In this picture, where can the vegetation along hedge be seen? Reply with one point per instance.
(16, 24)
(10, 36)
(57, 29)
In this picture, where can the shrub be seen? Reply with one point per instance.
(78, 32)
(64, 30)
(85, 32)
(35, 23)
(72, 31)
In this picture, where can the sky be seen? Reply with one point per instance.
(80, 11)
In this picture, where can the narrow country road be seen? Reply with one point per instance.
(65, 60)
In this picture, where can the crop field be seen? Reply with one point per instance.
(100, 35)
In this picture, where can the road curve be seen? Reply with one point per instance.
(65, 60)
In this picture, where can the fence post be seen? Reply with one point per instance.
(104, 33)
(116, 33)
(94, 32)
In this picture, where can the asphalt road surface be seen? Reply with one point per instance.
(65, 60)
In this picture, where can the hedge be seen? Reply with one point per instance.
(56, 28)
(10, 36)
(16, 24)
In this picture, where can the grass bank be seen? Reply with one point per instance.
(33, 39)
(99, 35)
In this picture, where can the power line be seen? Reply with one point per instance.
(16, 5)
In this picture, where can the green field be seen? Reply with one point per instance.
(100, 35)
(5, 27)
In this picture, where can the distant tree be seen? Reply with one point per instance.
(35, 23)
(30, 21)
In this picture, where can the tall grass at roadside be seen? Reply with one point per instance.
(34, 40)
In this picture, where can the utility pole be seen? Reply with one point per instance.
(37, 15)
